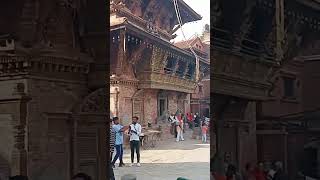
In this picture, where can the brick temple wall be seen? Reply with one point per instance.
(150, 105)
(9, 118)
(124, 102)
(48, 143)
(172, 102)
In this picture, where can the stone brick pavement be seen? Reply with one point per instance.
(170, 160)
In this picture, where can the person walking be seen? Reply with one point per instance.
(232, 173)
(179, 129)
(249, 172)
(280, 174)
(197, 120)
(118, 130)
(181, 122)
(204, 130)
(189, 118)
(134, 132)
(112, 141)
(259, 172)
(184, 121)
(172, 119)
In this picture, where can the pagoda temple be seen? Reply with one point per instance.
(200, 99)
(150, 76)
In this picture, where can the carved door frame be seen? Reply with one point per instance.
(56, 137)
(88, 129)
(162, 96)
(90, 124)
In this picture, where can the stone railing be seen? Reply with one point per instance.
(156, 80)
(241, 77)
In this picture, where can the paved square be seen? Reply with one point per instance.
(170, 160)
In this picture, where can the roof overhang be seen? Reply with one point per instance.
(128, 26)
(194, 16)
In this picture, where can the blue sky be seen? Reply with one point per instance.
(202, 7)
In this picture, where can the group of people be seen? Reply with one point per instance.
(193, 120)
(117, 132)
(177, 126)
(179, 121)
(265, 171)
(251, 172)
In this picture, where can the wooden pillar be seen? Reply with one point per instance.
(285, 150)
(220, 106)
(279, 28)
(318, 160)
(74, 145)
(103, 155)
(121, 52)
(19, 154)
(218, 129)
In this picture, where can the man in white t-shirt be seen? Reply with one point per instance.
(134, 132)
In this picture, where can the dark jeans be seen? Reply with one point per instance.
(190, 125)
(175, 132)
(135, 145)
(119, 154)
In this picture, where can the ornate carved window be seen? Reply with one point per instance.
(190, 72)
(181, 68)
(200, 88)
(170, 65)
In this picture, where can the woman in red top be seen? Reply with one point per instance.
(249, 173)
(179, 117)
(189, 117)
(259, 172)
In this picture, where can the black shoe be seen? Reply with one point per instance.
(121, 164)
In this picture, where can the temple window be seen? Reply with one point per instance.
(181, 68)
(171, 62)
(200, 89)
(190, 71)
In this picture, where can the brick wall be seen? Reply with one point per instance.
(125, 103)
(150, 105)
(9, 117)
(172, 102)
(65, 95)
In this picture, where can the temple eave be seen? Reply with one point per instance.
(164, 86)
(129, 27)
